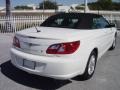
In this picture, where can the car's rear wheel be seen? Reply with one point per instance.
(90, 68)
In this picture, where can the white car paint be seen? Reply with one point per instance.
(59, 66)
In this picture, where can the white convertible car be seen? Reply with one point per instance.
(64, 46)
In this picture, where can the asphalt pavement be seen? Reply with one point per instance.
(106, 77)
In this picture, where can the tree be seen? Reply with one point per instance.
(80, 7)
(105, 4)
(48, 5)
(8, 8)
(94, 6)
(116, 6)
(23, 7)
(8, 15)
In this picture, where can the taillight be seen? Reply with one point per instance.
(63, 48)
(16, 42)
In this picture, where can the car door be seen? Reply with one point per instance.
(108, 30)
(104, 38)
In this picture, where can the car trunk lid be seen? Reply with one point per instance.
(34, 42)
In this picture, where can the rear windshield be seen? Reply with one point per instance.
(68, 21)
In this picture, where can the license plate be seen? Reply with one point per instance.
(29, 64)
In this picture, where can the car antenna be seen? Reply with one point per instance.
(36, 28)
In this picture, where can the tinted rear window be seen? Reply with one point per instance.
(74, 21)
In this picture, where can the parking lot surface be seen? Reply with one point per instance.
(106, 77)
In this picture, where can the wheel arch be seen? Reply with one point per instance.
(96, 51)
(116, 34)
(84, 75)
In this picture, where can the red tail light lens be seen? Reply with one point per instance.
(16, 42)
(63, 48)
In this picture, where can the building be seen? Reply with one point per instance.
(2, 8)
(33, 6)
(63, 8)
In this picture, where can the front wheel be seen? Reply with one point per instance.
(90, 68)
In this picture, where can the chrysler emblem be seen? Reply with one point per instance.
(31, 44)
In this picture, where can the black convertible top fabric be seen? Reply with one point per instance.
(85, 18)
(82, 15)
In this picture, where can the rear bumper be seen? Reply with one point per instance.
(53, 67)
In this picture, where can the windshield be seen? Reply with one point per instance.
(68, 21)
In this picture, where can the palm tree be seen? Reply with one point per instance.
(8, 15)
(8, 8)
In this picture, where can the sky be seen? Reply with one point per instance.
(64, 2)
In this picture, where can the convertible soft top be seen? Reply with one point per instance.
(89, 15)
(84, 20)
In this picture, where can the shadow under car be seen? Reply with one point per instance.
(31, 80)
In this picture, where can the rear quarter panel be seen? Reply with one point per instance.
(88, 41)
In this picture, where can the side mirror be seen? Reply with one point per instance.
(111, 25)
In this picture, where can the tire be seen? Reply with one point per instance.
(90, 67)
(113, 45)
